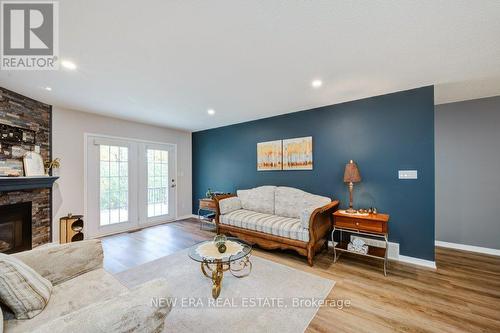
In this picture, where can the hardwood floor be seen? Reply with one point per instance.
(127, 250)
(462, 295)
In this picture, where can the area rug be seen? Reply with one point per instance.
(273, 298)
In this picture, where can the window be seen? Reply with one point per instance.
(157, 182)
(113, 184)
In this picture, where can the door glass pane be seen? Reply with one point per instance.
(157, 182)
(113, 184)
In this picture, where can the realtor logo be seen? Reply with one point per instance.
(30, 35)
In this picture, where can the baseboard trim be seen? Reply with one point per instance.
(470, 248)
(417, 261)
(394, 255)
(129, 230)
(186, 217)
(137, 228)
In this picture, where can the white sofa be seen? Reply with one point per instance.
(277, 217)
(85, 297)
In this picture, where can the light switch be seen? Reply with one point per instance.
(407, 174)
(37, 149)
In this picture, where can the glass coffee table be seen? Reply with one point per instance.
(213, 264)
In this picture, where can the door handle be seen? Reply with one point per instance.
(173, 185)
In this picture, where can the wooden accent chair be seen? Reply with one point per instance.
(277, 218)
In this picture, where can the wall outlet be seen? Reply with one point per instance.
(407, 174)
(37, 149)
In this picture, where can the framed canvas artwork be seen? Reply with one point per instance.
(269, 155)
(298, 154)
(33, 164)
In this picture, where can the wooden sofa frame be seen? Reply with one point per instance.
(320, 225)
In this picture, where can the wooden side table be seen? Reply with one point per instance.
(71, 229)
(208, 205)
(371, 225)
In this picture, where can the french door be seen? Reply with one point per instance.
(130, 184)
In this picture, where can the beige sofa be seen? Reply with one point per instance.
(86, 298)
(277, 217)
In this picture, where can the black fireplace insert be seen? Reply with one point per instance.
(15, 227)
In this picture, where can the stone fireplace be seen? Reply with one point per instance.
(40, 212)
(25, 202)
(15, 227)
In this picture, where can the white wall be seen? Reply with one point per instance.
(68, 130)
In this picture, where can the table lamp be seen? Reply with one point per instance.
(351, 176)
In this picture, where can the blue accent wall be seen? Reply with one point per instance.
(382, 134)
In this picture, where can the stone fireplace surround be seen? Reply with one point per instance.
(21, 111)
(40, 212)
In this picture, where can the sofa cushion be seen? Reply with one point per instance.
(229, 205)
(61, 262)
(291, 202)
(22, 290)
(267, 223)
(133, 311)
(70, 296)
(259, 199)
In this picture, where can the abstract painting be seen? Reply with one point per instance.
(298, 154)
(269, 155)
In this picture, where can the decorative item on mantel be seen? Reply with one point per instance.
(33, 164)
(52, 167)
(12, 135)
(351, 176)
(14, 174)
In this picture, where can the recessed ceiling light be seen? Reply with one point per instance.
(316, 83)
(48, 88)
(211, 112)
(68, 64)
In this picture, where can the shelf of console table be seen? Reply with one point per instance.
(373, 251)
(26, 183)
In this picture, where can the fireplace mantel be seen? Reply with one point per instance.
(26, 183)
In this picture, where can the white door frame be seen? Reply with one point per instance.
(93, 174)
(137, 226)
(144, 220)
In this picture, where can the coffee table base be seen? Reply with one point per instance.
(215, 272)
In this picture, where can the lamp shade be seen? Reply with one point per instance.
(351, 173)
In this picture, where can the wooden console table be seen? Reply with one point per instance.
(207, 205)
(372, 226)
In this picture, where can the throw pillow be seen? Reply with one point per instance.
(259, 199)
(22, 290)
(229, 205)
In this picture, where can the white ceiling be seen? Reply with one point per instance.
(167, 62)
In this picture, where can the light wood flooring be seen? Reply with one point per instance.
(462, 295)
